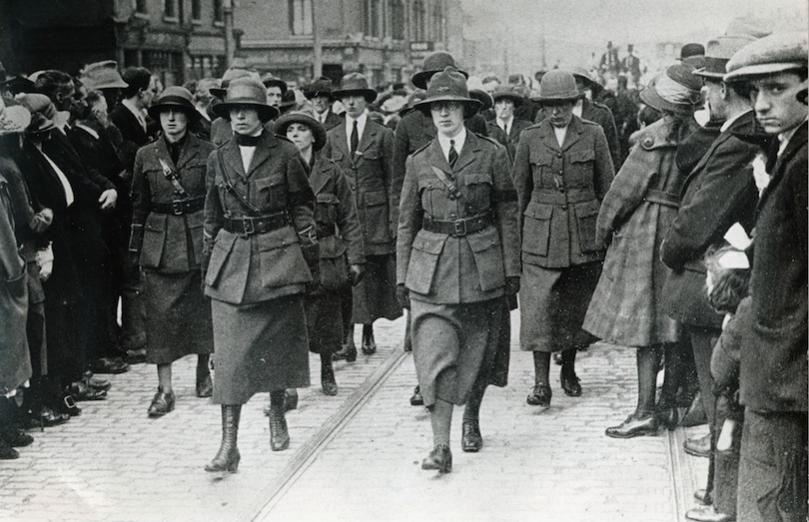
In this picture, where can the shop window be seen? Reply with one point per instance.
(196, 10)
(218, 12)
(170, 9)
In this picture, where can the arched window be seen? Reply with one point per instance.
(397, 15)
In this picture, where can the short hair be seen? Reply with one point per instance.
(84, 107)
(49, 82)
(491, 78)
(137, 78)
(730, 285)
(743, 89)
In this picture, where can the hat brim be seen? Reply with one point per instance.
(280, 127)
(118, 84)
(369, 94)
(764, 69)
(314, 94)
(471, 105)
(420, 78)
(544, 100)
(704, 73)
(14, 120)
(650, 97)
(155, 110)
(265, 112)
(518, 100)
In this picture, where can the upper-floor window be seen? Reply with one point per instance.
(372, 22)
(218, 11)
(140, 6)
(397, 19)
(417, 22)
(169, 8)
(196, 9)
(300, 17)
(438, 22)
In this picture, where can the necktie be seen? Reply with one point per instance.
(355, 137)
(453, 154)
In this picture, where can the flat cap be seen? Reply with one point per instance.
(769, 55)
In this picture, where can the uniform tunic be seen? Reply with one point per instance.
(256, 281)
(457, 282)
(339, 244)
(178, 316)
(560, 190)
(626, 307)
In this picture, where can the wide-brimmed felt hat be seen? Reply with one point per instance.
(305, 117)
(772, 54)
(271, 80)
(434, 63)
(718, 52)
(320, 87)
(507, 92)
(394, 102)
(486, 101)
(355, 84)
(246, 92)
(14, 118)
(676, 90)
(449, 86)
(42, 110)
(288, 102)
(175, 98)
(558, 86)
(584, 75)
(231, 74)
(102, 75)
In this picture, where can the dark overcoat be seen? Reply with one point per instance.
(773, 362)
(511, 140)
(332, 120)
(600, 114)
(717, 193)
(636, 212)
(132, 133)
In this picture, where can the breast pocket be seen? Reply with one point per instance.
(478, 190)
(269, 193)
(586, 217)
(488, 256)
(424, 255)
(580, 172)
(326, 210)
(376, 216)
(154, 240)
(536, 230)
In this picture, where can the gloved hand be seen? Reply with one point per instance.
(355, 274)
(44, 260)
(512, 285)
(403, 296)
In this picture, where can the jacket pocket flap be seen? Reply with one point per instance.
(582, 156)
(539, 211)
(156, 222)
(541, 158)
(328, 198)
(587, 209)
(279, 238)
(482, 241)
(219, 254)
(377, 197)
(477, 177)
(370, 154)
(430, 243)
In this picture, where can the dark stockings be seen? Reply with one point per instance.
(569, 362)
(647, 359)
(542, 367)
(472, 409)
(277, 399)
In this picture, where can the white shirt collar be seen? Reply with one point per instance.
(725, 126)
(560, 133)
(89, 130)
(361, 120)
(136, 111)
(203, 112)
(578, 107)
(321, 117)
(458, 140)
(505, 124)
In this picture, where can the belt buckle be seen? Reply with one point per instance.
(248, 228)
(177, 207)
(460, 228)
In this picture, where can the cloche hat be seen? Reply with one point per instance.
(176, 98)
(246, 91)
(558, 86)
(306, 117)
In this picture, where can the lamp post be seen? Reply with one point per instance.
(317, 63)
(227, 11)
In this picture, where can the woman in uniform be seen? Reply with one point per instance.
(168, 196)
(457, 260)
(339, 238)
(562, 171)
(261, 252)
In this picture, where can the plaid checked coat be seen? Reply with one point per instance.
(634, 216)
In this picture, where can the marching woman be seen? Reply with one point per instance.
(168, 196)
(457, 260)
(339, 238)
(562, 170)
(261, 253)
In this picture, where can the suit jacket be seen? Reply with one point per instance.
(134, 137)
(509, 141)
(560, 191)
(773, 361)
(339, 232)
(202, 129)
(332, 120)
(253, 268)
(600, 114)
(718, 192)
(370, 175)
(445, 269)
(168, 242)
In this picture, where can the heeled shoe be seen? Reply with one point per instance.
(416, 399)
(16, 438)
(162, 403)
(328, 384)
(7, 452)
(45, 417)
(228, 457)
(347, 353)
(204, 385)
(368, 347)
(540, 396)
(570, 384)
(633, 426)
(68, 405)
(471, 439)
(291, 399)
(279, 436)
(83, 391)
(440, 458)
(96, 382)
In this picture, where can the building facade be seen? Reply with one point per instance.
(383, 39)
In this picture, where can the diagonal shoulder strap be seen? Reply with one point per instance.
(171, 175)
(251, 209)
(448, 182)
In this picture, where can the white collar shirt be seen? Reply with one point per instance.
(89, 130)
(248, 151)
(578, 107)
(458, 141)
(361, 120)
(560, 133)
(506, 124)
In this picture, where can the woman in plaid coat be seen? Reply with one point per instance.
(626, 307)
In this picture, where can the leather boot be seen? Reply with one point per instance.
(228, 457)
(291, 399)
(634, 426)
(279, 436)
(471, 439)
(440, 458)
(204, 385)
(327, 382)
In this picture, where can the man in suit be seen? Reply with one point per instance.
(319, 94)
(202, 102)
(506, 100)
(773, 368)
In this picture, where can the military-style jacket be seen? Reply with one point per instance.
(602, 115)
(258, 267)
(560, 190)
(369, 171)
(339, 234)
(168, 242)
(443, 268)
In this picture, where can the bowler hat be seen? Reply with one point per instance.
(320, 87)
(306, 117)
(246, 91)
(740, 32)
(271, 80)
(691, 49)
(102, 75)
(676, 90)
(174, 98)
(14, 118)
(507, 92)
(42, 110)
(288, 102)
(583, 74)
(434, 62)
(355, 84)
(558, 86)
(486, 101)
(772, 54)
(449, 86)
(231, 74)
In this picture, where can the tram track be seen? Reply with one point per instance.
(681, 474)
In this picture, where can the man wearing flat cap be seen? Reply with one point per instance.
(773, 367)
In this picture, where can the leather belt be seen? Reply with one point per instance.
(458, 227)
(662, 198)
(178, 207)
(248, 226)
(558, 197)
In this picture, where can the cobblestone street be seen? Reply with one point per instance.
(355, 457)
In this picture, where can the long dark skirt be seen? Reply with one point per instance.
(452, 343)
(178, 316)
(324, 322)
(375, 295)
(260, 347)
(553, 303)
